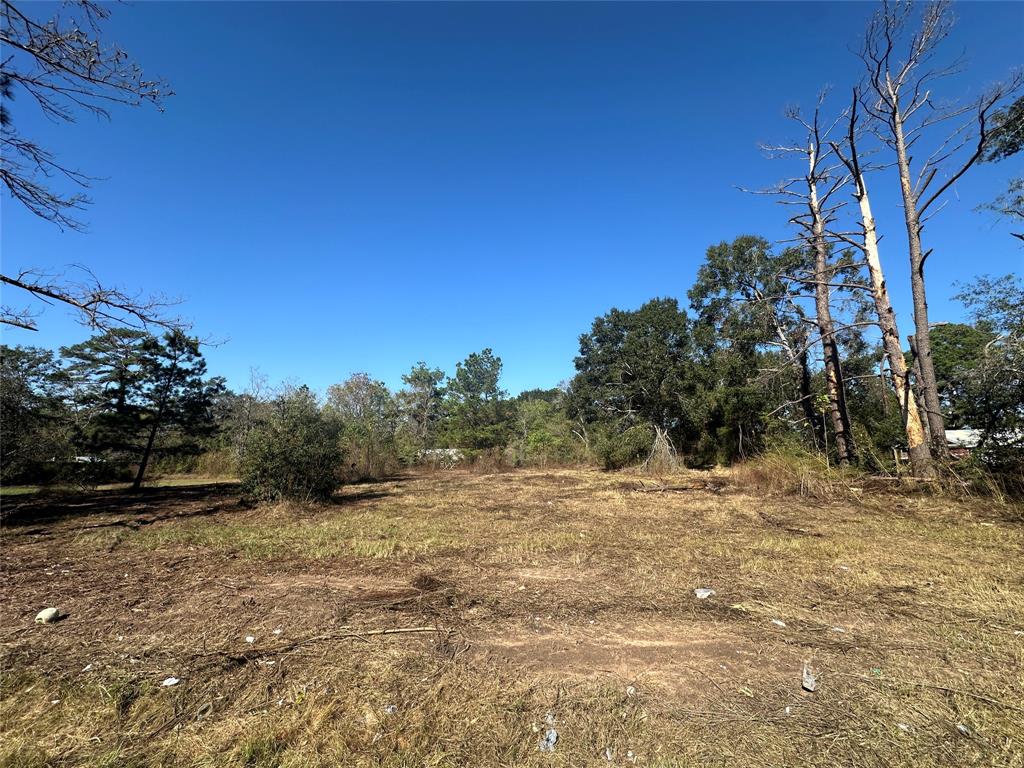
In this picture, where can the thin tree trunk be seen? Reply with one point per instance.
(916, 387)
(926, 382)
(914, 425)
(834, 383)
(137, 483)
(161, 406)
(917, 445)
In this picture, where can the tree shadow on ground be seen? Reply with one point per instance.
(51, 507)
(349, 498)
(148, 505)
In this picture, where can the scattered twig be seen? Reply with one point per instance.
(933, 686)
(704, 485)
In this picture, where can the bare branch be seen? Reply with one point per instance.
(63, 67)
(99, 307)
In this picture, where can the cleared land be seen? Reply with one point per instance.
(541, 600)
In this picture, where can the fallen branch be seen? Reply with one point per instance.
(707, 485)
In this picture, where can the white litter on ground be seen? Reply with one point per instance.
(547, 744)
(47, 616)
(810, 682)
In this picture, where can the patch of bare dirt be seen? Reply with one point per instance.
(679, 658)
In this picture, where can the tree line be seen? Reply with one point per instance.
(723, 382)
(125, 401)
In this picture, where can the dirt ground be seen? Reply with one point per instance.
(461, 619)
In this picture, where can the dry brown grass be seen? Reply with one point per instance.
(566, 593)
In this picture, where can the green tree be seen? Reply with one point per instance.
(992, 388)
(637, 368)
(421, 403)
(176, 397)
(543, 433)
(142, 394)
(957, 349)
(750, 322)
(107, 374)
(1006, 137)
(34, 414)
(369, 416)
(476, 411)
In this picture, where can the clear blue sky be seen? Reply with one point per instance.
(349, 187)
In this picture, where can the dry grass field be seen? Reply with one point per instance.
(454, 619)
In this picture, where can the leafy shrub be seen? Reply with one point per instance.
(294, 454)
(368, 415)
(543, 434)
(615, 449)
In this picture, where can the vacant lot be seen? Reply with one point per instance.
(522, 603)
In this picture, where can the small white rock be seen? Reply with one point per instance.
(278, 631)
(168, 682)
(250, 639)
(838, 629)
(778, 622)
(903, 726)
(47, 616)
(87, 668)
(703, 593)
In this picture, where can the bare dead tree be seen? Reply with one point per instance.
(917, 446)
(790, 325)
(901, 72)
(64, 68)
(813, 192)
